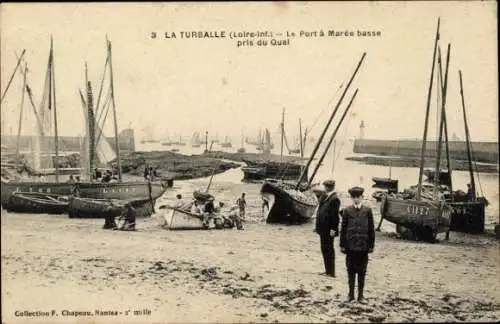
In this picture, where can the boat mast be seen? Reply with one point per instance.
(467, 140)
(117, 146)
(316, 147)
(426, 123)
(18, 144)
(331, 139)
(445, 124)
(300, 140)
(282, 133)
(91, 122)
(12, 76)
(443, 90)
(52, 90)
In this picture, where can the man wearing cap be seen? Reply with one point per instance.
(327, 225)
(357, 239)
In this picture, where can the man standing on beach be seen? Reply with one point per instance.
(242, 203)
(327, 225)
(357, 239)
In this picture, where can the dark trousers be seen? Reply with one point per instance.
(328, 253)
(356, 263)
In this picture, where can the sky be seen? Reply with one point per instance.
(179, 86)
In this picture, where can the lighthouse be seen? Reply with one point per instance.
(362, 130)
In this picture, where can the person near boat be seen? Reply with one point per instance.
(106, 177)
(129, 218)
(76, 187)
(179, 202)
(470, 194)
(242, 204)
(327, 225)
(109, 217)
(97, 174)
(357, 240)
(71, 179)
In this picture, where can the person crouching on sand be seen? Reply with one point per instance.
(357, 239)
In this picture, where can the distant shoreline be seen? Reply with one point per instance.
(414, 162)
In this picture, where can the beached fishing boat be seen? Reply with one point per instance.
(38, 203)
(98, 149)
(296, 204)
(426, 214)
(287, 205)
(178, 219)
(468, 208)
(425, 218)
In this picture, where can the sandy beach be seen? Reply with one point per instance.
(66, 267)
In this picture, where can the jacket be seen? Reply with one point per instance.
(357, 231)
(327, 217)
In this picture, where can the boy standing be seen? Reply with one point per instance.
(357, 239)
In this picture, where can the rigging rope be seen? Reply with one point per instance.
(327, 106)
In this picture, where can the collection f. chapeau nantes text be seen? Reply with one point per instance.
(83, 313)
(265, 38)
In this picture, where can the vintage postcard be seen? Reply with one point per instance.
(186, 162)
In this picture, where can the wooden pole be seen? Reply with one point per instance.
(12, 76)
(303, 174)
(117, 146)
(426, 123)
(18, 144)
(441, 125)
(467, 140)
(331, 139)
(53, 89)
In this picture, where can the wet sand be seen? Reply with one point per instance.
(261, 274)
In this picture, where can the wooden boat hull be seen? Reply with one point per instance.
(99, 208)
(468, 217)
(385, 183)
(97, 190)
(25, 202)
(261, 171)
(177, 219)
(287, 206)
(417, 214)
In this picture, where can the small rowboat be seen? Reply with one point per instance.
(178, 219)
(39, 203)
(99, 208)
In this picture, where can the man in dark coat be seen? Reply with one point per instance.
(327, 225)
(357, 239)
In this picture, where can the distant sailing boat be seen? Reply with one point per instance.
(242, 147)
(195, 142)
(227, 143)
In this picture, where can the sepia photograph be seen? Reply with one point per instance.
(250, 162)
